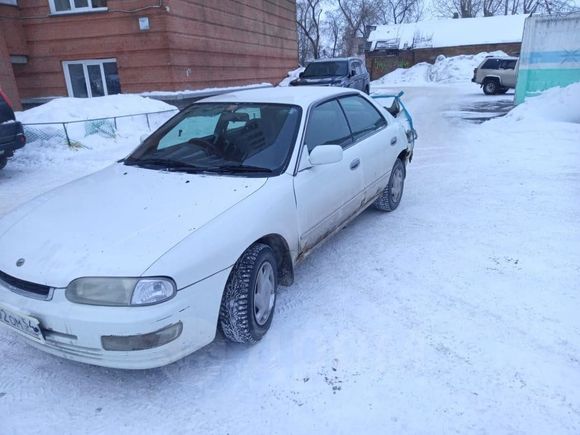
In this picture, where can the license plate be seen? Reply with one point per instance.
(26, 325)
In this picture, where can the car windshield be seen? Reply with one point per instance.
(228, 138)
(326, 69)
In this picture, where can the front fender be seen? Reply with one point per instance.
(218, 245)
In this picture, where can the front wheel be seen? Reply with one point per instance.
(250, 296)
(391, 196)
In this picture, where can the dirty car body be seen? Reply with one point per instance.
(132, 266)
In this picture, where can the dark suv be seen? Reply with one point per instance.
(11, 132)
(345, 72)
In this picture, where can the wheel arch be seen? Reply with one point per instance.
(283, 257)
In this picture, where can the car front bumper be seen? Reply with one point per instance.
(75, 331)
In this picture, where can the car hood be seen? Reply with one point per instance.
(116, 222)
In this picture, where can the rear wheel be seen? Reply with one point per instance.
(490, 87)
(3, 161)
(391, 196)
(250, 296)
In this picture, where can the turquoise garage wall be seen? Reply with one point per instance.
(550, 54)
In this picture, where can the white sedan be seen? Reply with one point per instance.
(140, 264)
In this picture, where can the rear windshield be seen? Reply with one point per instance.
(326, 69)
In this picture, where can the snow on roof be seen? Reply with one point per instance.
(449, 32)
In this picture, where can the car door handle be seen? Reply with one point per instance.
(393, 140)
(354, 164)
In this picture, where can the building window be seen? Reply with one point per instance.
(92, 78)
(71, 6)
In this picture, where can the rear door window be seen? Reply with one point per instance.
(362, 116)
(508, 64)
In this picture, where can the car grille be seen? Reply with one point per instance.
(25, 288)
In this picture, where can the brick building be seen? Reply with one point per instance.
(86, 48)
(403, 45)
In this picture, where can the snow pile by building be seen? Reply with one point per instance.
(292, 75)
(90, 129)
(554, 105)
(448, 32)
(80, 109)
(452, 69)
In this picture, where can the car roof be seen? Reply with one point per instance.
(302, 96)
(502, 57)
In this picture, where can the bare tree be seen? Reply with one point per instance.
(401, 11)
(334, 29)
(308, 18)
(359, 15)
(463, 8)
(491, 7)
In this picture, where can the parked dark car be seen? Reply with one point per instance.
(11, 132)
(345, 72)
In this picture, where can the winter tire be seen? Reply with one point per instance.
(490, 87)
(391, 196)
(249, 298)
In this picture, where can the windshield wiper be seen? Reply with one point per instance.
(167, 164)
(238, 168)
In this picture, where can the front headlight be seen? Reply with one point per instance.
(120, 291)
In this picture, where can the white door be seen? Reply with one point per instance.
(327, 195)
(377, 142)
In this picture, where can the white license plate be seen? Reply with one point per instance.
(26, 325)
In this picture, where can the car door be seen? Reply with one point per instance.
(508, 68)
(376, 140)
(327, 195)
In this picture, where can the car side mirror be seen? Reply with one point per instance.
(325, 155)
(301, 75)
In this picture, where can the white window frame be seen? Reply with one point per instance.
(73, 9)
(85, 64)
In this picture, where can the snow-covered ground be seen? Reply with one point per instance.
(457, 313)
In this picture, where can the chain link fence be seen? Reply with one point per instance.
(74, 133)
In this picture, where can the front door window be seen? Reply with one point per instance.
(92, 78)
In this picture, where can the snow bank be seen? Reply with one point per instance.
(88, 134)
(292, 75)
(78, 109)
(555, 105)
(445, 70)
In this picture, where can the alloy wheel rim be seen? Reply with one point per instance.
(264, 293)
(397, 185)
